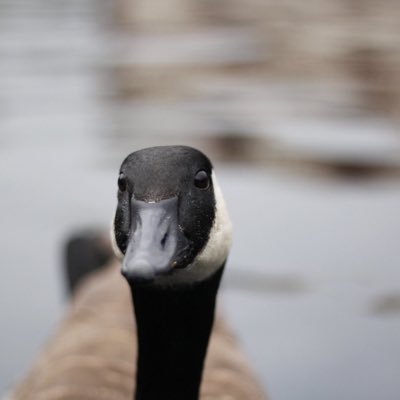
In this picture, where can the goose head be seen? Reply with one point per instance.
(171, 224)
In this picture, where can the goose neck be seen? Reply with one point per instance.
(174, 325)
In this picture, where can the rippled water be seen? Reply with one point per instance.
(313, 277)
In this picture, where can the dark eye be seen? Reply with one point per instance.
(122, 182)
(201, 180)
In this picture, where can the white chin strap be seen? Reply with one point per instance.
(215, 251)
(114, 245)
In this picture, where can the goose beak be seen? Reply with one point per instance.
(154, 240)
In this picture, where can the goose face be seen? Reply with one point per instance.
(171, 222)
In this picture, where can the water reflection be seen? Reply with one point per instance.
(387, 304)
(293, 117)
(265, 284)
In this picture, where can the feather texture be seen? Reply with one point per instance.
(92, 355)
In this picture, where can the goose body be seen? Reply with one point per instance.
(172, 233)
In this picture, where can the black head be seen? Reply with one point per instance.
(168, 213)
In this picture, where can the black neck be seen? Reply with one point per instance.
(174, 325)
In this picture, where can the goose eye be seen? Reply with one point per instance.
(201, 180)
(122, 182)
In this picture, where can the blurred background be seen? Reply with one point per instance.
(297, 104)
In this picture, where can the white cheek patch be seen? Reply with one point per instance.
(114, 245)
(216, 250)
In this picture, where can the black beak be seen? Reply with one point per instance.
(154, 240)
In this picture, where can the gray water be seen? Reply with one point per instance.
(313, 283)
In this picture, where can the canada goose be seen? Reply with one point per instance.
(172, 231)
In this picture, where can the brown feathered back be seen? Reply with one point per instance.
(92, 355)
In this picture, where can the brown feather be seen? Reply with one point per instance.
(91, 357)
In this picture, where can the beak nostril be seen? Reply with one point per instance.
(164, 239)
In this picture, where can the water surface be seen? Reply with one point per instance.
(314, 256)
